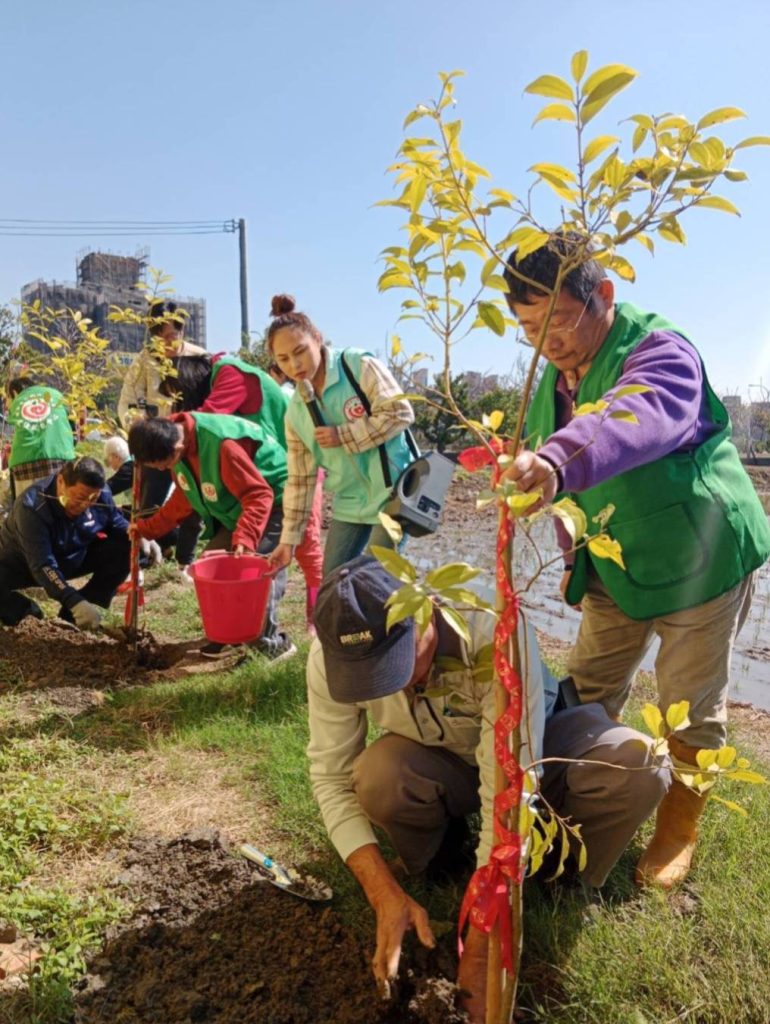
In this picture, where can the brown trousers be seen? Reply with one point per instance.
(411, 790)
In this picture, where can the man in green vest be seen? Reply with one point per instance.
(232, 473)
(42, 437)
(690, 525)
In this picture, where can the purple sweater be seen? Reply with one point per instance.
(672, 417)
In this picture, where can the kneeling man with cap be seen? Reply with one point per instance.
(434, 762)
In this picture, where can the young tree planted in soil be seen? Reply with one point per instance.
(619, 190)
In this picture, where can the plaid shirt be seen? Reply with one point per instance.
(389, 418)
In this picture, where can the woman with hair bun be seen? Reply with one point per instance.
(363, 451)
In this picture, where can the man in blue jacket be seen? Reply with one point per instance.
(64, 526)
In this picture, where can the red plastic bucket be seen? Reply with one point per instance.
(232, 595)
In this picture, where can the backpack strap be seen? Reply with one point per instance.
(410, 441)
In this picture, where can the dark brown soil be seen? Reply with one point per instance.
(209, 944)
(51, 653)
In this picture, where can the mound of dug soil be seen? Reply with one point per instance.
(208, 945)
(52, 653)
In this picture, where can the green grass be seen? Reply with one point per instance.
(638, 959)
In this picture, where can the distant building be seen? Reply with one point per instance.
(480, 383)
(420, 378)
(105, 280)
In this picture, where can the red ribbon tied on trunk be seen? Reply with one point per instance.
(486, 898)
(474, 459)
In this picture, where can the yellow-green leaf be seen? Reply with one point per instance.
(520, 503)
(622, 268)
(556, 112)
(392, 527)
(726, 756)
(391, 280)
(754, 140)
(395, 345)
(605, 74)
(587, 408)
(450, 575)
(631, 389)
(718, 203)
(731, 804)
(551, 85)
(493, 420)
(497, 282)
(742, 775)
(646, 241)
(573, 517)
(625, 415)
(598, 96)
(653, 719)
(719, 116)
(492, 317)
(578, 64)
(604, 546)
(562, 174)
(394, 563)
(456, 621)
(597, 146)
(706, 759)
(531, 243)
(677, 715)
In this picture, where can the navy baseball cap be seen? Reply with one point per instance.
(363, 661)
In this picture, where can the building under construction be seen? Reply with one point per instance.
(105, 280)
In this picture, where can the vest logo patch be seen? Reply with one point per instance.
(353, 409)
(183, 482)
(35, 410)
(209, 492)
(349, 639)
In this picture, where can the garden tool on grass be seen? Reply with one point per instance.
(304, 886)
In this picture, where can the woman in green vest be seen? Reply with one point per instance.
(42, 439)
(690, 525)
(363, 452)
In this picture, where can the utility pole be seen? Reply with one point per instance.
(244, 282)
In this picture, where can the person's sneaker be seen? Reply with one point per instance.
(184, 574)
(215, 650)
(276, 648)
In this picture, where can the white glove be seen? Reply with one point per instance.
(87, 616)
(151, 550)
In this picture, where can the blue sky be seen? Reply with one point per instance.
(288, 112)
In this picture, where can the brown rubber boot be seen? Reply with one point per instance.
(666, 861)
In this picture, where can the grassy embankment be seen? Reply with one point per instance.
(228, 748)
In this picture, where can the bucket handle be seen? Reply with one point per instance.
(231, 554)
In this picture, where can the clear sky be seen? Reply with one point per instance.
(287, 113)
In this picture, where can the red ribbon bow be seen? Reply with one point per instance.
(486, 898)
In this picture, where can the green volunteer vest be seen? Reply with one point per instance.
(211, 499)
(274, 400)
(355, 481)
(41, 427)
(690, 524)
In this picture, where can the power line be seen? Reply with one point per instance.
(30, 228)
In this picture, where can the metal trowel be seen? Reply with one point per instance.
(288, 879)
